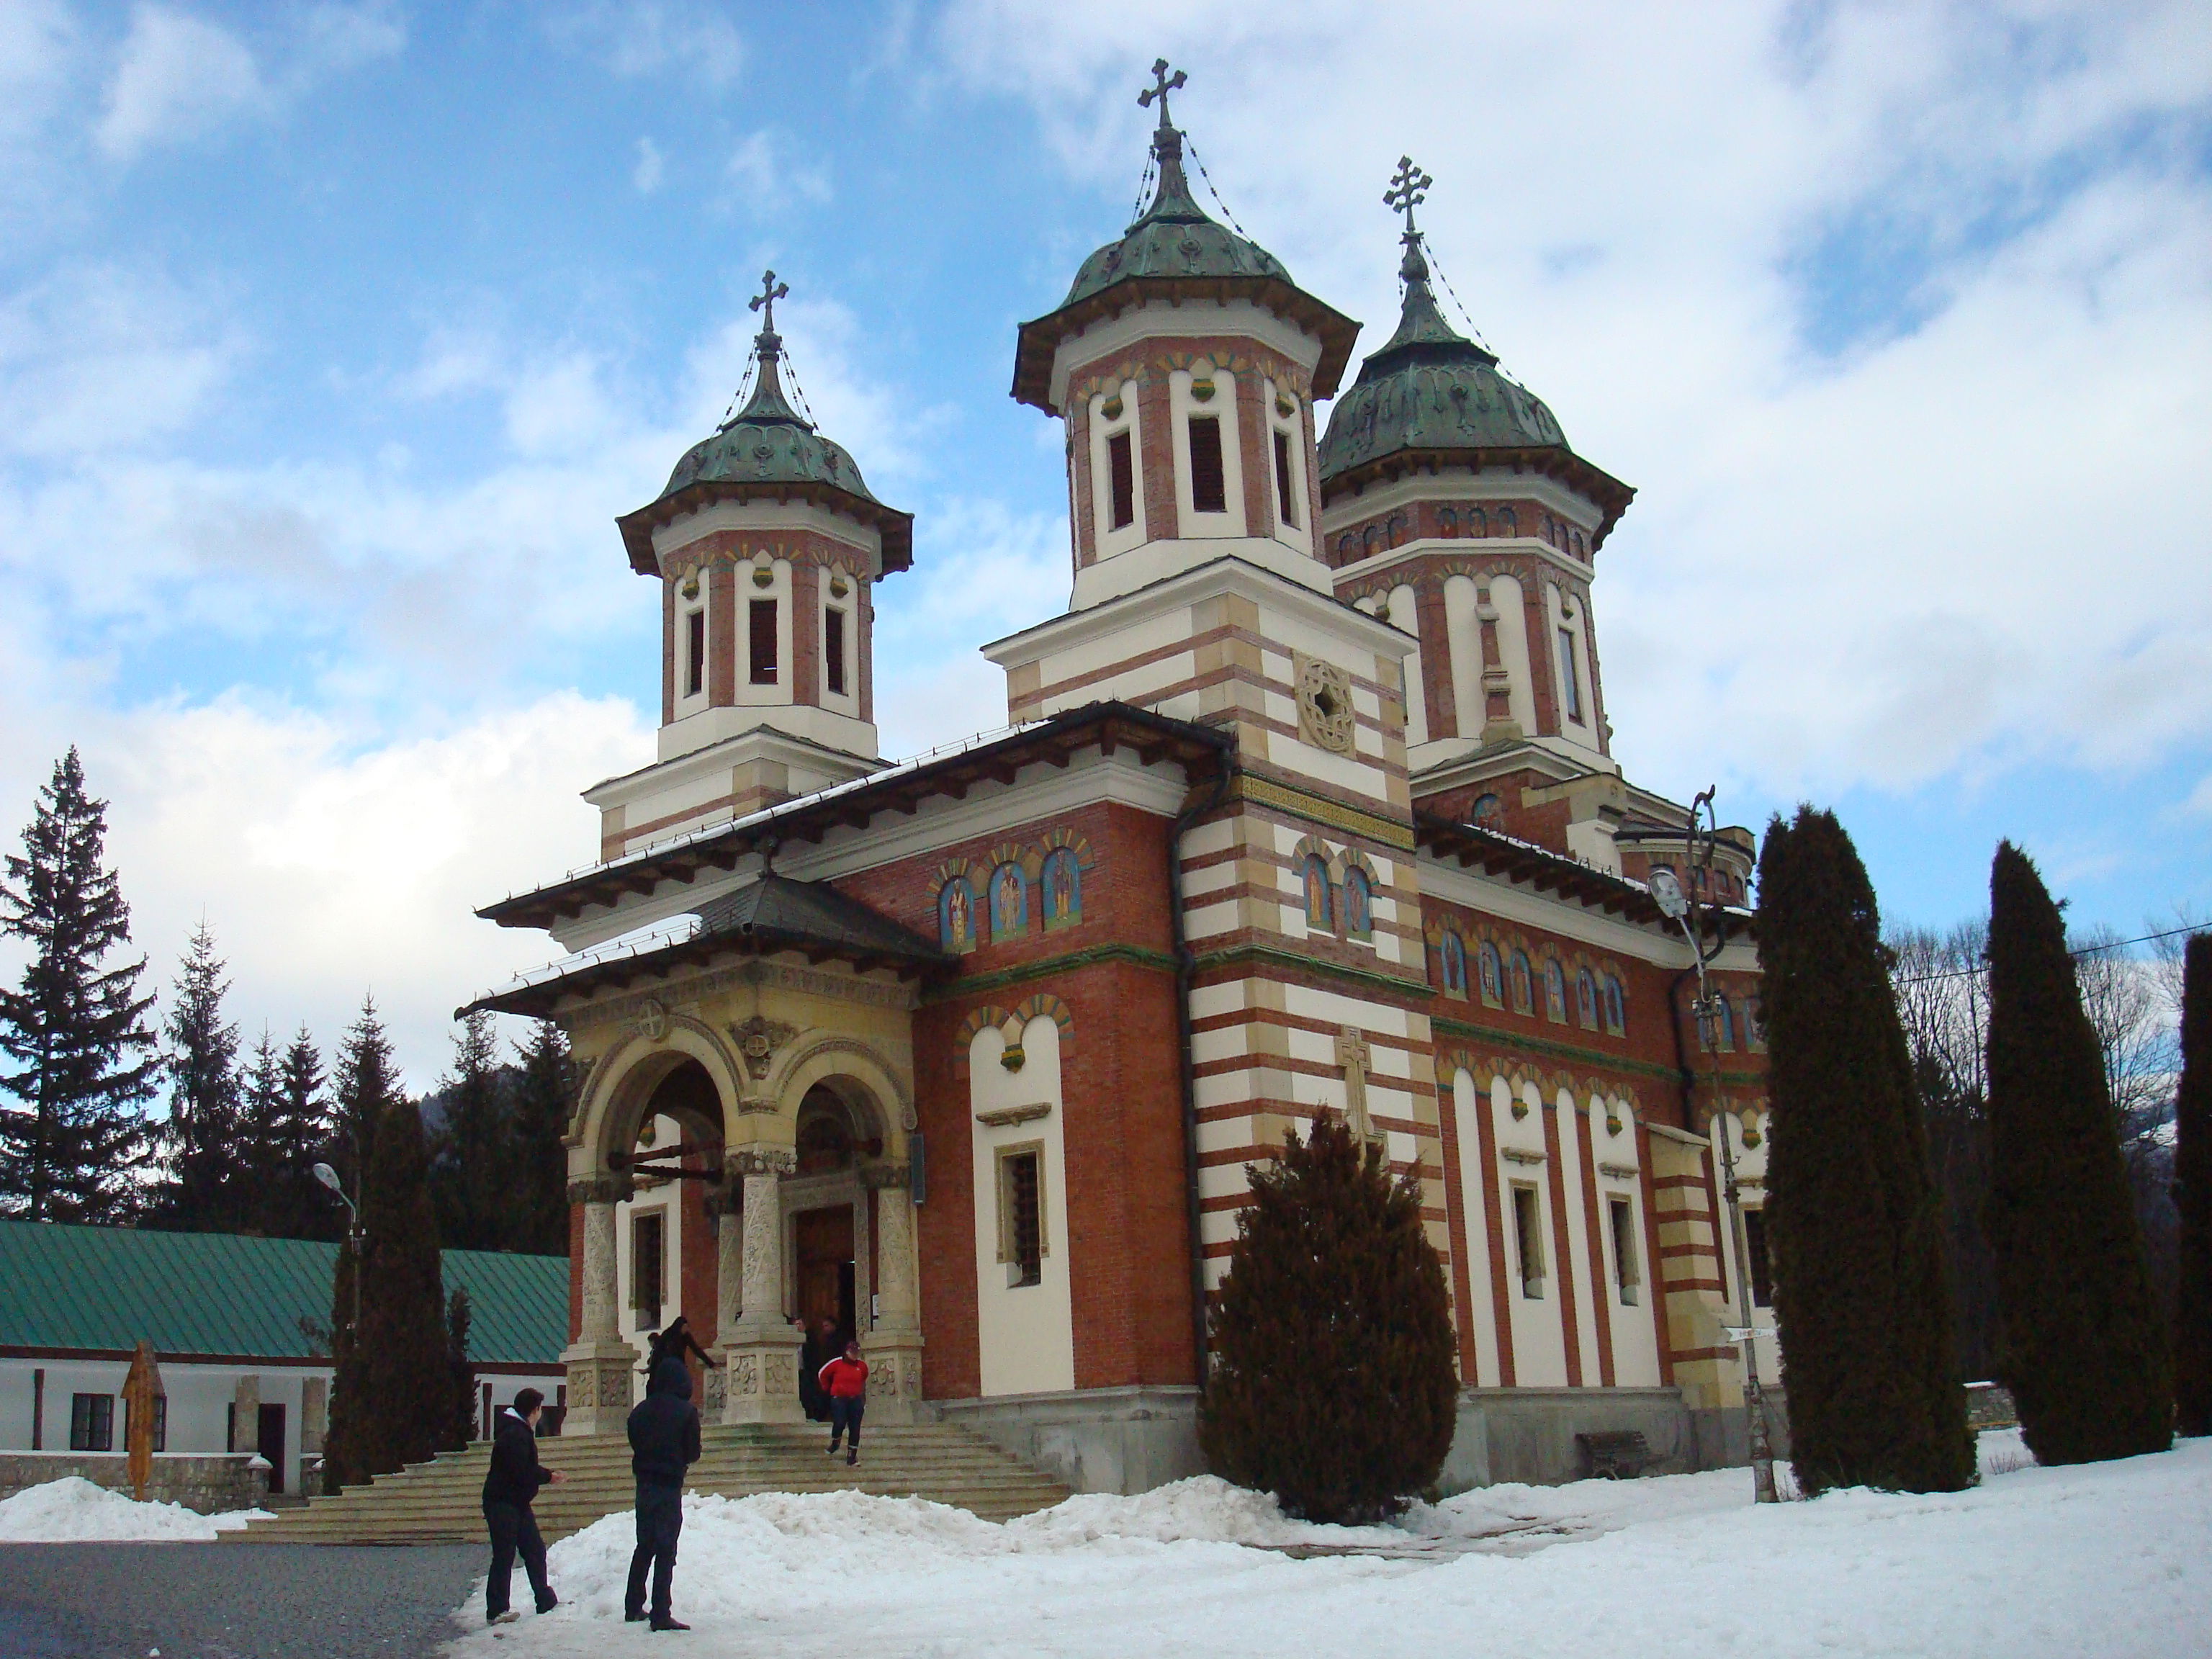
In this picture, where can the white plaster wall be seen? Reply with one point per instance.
(1466, 1101)
(1635, 1327)
(1026, 1334)
(1108, 541)
(1513, 650)
(1463, 633)
(1403, 614)
(1581, 733)
(1300, 535)
(1540, 1357)
(1586, 1272)
(664, 1199)
(679, 646)
(1195, 525)
(749, 695)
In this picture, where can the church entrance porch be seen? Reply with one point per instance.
(826, 1270)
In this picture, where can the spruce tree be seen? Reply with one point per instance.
(1862, 1291)
(473, 1172)
(207, 1188)
(260, 1120)
(2085, 1356)
(366, 1084)
(540, 1200)
(461, 1377)
(301, 1206)
(405, 1407)
(2192, 1193)
(78, 1056)
(1333, 1383)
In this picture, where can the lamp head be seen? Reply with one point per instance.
(1667, 893)
(328, 1177)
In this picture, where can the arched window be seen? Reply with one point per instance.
(1727, 1015)
(1453, 952)
(1544, 528)
(1582, 551)
(1509, 522)
(956, 916)
(1345, 544)
(1010, 904)
(1555, 991)
(1359, 905)
(1494, 976)
(1616, 1009)
(1488, 810)
(1447, 521)
(1060, 881)
(1524, 994)
(1319, 912)
(1586, 999)
(1478, 522)
(1369, 538)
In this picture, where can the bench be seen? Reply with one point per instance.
(1617, 1454)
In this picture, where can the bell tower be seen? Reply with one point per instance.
(767, 545)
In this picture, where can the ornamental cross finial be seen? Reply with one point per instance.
(1162, 84)
(1408, 187)
(765, 301)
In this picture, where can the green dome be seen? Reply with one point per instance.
(1174, 239)
(1430, 388)
(769, 442)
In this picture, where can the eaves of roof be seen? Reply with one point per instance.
(1509, 857)
(903, 789)
(1607, 493)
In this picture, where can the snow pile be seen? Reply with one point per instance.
(2103, 1558)
(74, 1510)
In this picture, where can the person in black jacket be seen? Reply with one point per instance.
(663, 1441)
(510, 1487)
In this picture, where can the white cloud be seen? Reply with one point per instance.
(766, 178)
(1896, 316)
(647, 37)
(647, 173)
(179, 77)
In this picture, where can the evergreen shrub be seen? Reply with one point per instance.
(2192, 1193)
(1333, 1383)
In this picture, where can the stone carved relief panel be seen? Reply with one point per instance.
(1324, 695)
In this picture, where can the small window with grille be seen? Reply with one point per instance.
(1209, 489)
(1021, 1215)
(1627, 1273)
(1285, 496)
(695, 653)
(1121, 471)
(760, 641)
(1529, 1236)
(833, 651)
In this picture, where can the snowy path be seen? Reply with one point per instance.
(2109, 1559)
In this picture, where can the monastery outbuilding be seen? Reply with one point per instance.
(1307, 804)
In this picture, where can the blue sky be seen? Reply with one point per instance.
(332, 337)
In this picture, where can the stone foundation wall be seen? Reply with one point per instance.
(1110, 1440)
(210, 1483)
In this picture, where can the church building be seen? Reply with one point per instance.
(1306, 805)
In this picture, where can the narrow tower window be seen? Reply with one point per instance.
(647, 1264)
(1021, 1217)
(1571, 670)
(695, 653)
(833, 651)
(1209, 491)
(1528, 1236)
(1285, 498)
(1625, 1272)
(761, 616)
(1124, 476)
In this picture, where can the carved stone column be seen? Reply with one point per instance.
(1498, 725)
(760, 1352)
(894, 1347)
(723, 1205)
(599, 1362)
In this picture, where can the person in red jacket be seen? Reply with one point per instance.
(846, 1381)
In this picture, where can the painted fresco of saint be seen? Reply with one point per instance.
(1316, 893)
(1063, 889)
(956, 916)
(1523, 985)
(1359, 905)
(1492, 989)
(1010, 905)
(1455, 955)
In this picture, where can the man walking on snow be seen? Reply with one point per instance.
(846, 1381)
(510, 1487)
(663, 1441)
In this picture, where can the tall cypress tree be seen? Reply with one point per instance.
(2192, 1193)
(207, 1188)
(301, 1206)
(366, 1085)
(1862, 1294)
(405, 1403)
(74, 1030)
(460, 1375)
(1333, 1385)
(472, 1175)
(540, 1200)
(2085, 1356)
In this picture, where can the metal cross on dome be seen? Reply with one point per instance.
(765, 301)
(1408, 187)
(1162, 84)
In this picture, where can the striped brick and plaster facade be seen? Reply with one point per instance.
(1306, 805)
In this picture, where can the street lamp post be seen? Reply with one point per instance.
(328, 1177)
(1680, 907)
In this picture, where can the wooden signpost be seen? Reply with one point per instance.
(140, 1390)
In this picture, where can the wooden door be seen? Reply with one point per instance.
(825, 1266)
(271, 1444)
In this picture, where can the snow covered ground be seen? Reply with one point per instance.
(73, 1510)
(2107, 1559)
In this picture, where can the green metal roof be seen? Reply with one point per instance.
(108, 1288)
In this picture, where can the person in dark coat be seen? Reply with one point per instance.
(821, 1347)
(663, 1441)
(676, 1341)
(510, 1488)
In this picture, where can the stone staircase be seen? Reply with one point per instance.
(441, 1502)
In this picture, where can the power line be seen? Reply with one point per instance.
(2080, 950)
